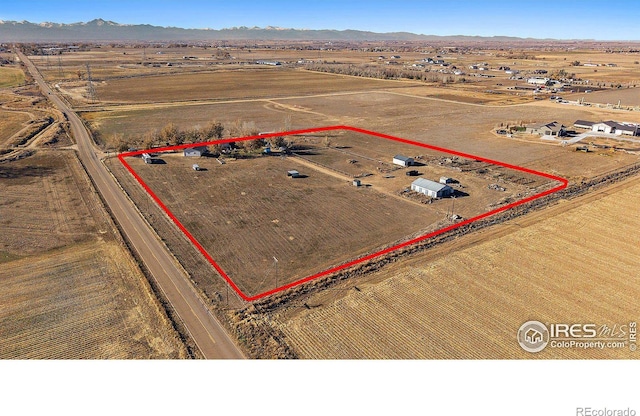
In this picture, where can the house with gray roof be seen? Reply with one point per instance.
(549, 129)
(613, 127)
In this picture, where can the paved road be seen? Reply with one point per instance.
(206, 331)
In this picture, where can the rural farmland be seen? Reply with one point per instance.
(266, 229)
(70, 288)
(454, 306)
(272, 215)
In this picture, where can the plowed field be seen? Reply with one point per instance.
(575, 262)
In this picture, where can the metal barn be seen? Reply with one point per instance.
(431, 188)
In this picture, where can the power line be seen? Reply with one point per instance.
(90, 89)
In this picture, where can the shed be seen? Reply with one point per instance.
(194, 151)
(147, 158)
(431, 188)
(445, 180)
(356, 182)
(402, 160)
(293, 173)
(584, 124)
(195, 167)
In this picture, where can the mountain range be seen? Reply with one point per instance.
(104, 30)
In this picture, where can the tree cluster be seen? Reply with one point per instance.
(171, 135)
(376, 71)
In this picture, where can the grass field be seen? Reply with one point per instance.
(569, 264)
(11, 77)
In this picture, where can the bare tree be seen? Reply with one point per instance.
(170, 134)
(213, 131)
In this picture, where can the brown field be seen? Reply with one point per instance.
(143, 70)
(70, 289)
(132, 123)
(36, 195)
(81, 302)
(628, 97)
(463, 127)
(11, 122)
(464, 299)
(247, 211)
(467, 128)
(567, 263)
(228, 85)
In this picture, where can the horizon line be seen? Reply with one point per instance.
(279, 28)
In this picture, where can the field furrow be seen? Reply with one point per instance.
(569, 267)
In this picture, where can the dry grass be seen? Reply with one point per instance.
(247, 211)
(572, 266)
(45, 203)
(226, 85)
(70, 290)
(463, 127)
(81, 302)
(628, 97)
(463, 293)
(11, 77)
(11, 122)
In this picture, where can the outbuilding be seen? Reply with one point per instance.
(147, 158)
(584, 124)
(431, 188)
(402, 160)
(293, 173)
(445, 180)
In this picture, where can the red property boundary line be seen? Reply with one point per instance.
(122, 156)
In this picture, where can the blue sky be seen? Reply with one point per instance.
(568, 19)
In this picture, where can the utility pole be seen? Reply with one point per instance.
(275, 260)
(60, 73)
(453, 204)
(90, 89)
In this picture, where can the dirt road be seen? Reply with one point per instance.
(206, 331)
